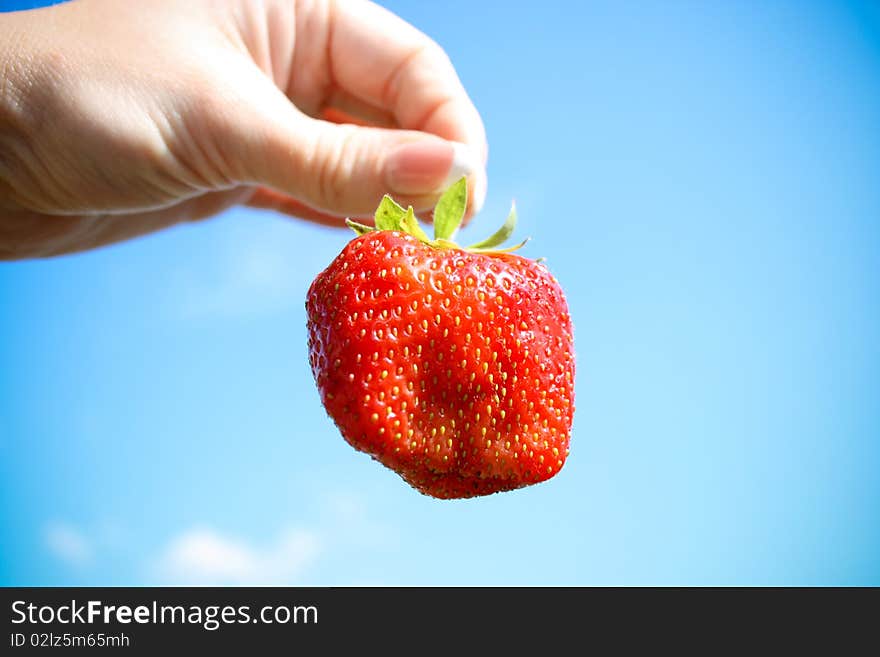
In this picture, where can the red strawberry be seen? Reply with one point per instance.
(452, 366)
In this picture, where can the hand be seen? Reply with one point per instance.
(121, 118)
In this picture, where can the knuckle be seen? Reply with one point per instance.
(437, 53)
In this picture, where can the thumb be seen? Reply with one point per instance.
(345, 169)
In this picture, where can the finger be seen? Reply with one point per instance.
(342, 107)
(347, 169)
(386, 63)
(336, 169)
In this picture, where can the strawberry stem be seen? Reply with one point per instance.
(448, 215)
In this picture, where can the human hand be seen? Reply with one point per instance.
(121, 118)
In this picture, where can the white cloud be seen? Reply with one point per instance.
(68, 543)
(202, 556)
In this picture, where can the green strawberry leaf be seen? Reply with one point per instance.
(449, 210)
(448, 215)
(501, 235)
(360, 229)
(389, 214)
(509, 249)
(409, 224)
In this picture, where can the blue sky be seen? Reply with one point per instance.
(704, 180)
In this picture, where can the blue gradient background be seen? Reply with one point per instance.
(704, 180)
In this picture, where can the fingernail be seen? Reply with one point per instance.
(464, 163)
(429, 166)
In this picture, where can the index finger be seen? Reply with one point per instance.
(384, 61)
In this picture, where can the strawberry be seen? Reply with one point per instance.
(452, 366)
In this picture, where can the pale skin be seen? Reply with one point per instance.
(119, 118)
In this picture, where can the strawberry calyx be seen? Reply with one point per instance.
(448, 215)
